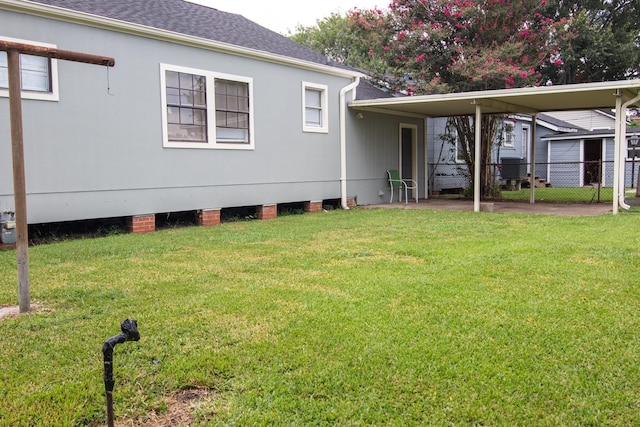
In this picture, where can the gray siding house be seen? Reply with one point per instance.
(448, 169)
(571, 146)
(203, 110)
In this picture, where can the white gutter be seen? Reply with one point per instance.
(343, 141)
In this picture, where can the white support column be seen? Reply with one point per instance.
(532, 177)
(620, 152)
(476, 171)
(616, 156)
(425, 142)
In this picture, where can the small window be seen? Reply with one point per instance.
(508, 135)
(315, 112)
(203, 109)
(38, 74)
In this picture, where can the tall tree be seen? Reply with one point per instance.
(334, 37)
(439, 46)
(606, 42)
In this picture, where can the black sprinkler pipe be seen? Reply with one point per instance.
(129, 332)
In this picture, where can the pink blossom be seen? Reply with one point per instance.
(420, 57)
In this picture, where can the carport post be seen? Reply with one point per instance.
(17, 147)
(616, 156)
(476, 164)
(532, 176)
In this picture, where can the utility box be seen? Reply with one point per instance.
(8, 228)
(513, 168)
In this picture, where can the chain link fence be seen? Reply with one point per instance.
(569, 182)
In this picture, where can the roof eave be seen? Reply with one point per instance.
(499, 101)
(82, 18)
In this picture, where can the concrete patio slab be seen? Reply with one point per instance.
(567, 209)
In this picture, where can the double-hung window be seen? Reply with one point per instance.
(508, 134)
(203, 109)
(38, 74)
(315, 113)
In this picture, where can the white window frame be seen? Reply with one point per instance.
(53, 94)
(508, 135)
(324, 108)
(211, 140)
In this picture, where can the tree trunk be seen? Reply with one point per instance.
(465, 129)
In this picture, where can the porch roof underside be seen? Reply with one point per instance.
(531, 100)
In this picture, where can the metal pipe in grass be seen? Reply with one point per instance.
(129, 332)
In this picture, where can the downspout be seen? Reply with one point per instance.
(343, 141)
(619, 153)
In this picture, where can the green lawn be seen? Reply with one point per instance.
(361, 317)
(564, 194)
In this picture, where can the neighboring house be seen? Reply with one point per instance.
(581, 152)
(571, 147)
(204, 110)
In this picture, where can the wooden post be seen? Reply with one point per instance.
(17, 147)
(19, 192)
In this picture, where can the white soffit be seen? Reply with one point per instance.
(586, 96)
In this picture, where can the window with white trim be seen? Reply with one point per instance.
(38, 74)
(204, 109)
(315, 112)
(508, 134)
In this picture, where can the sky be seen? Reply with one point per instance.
(282, 16)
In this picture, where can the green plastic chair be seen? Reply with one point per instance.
(397, 183)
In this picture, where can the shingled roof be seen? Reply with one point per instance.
(191, 19)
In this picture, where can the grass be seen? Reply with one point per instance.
(361, 317)
(563, 194)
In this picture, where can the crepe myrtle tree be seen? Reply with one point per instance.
(442, 46)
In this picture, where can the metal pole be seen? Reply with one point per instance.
(599, 179)
(633, 167)
(129, 332)
(17, 151)
(50, 52)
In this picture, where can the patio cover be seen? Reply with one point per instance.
(618, 95)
